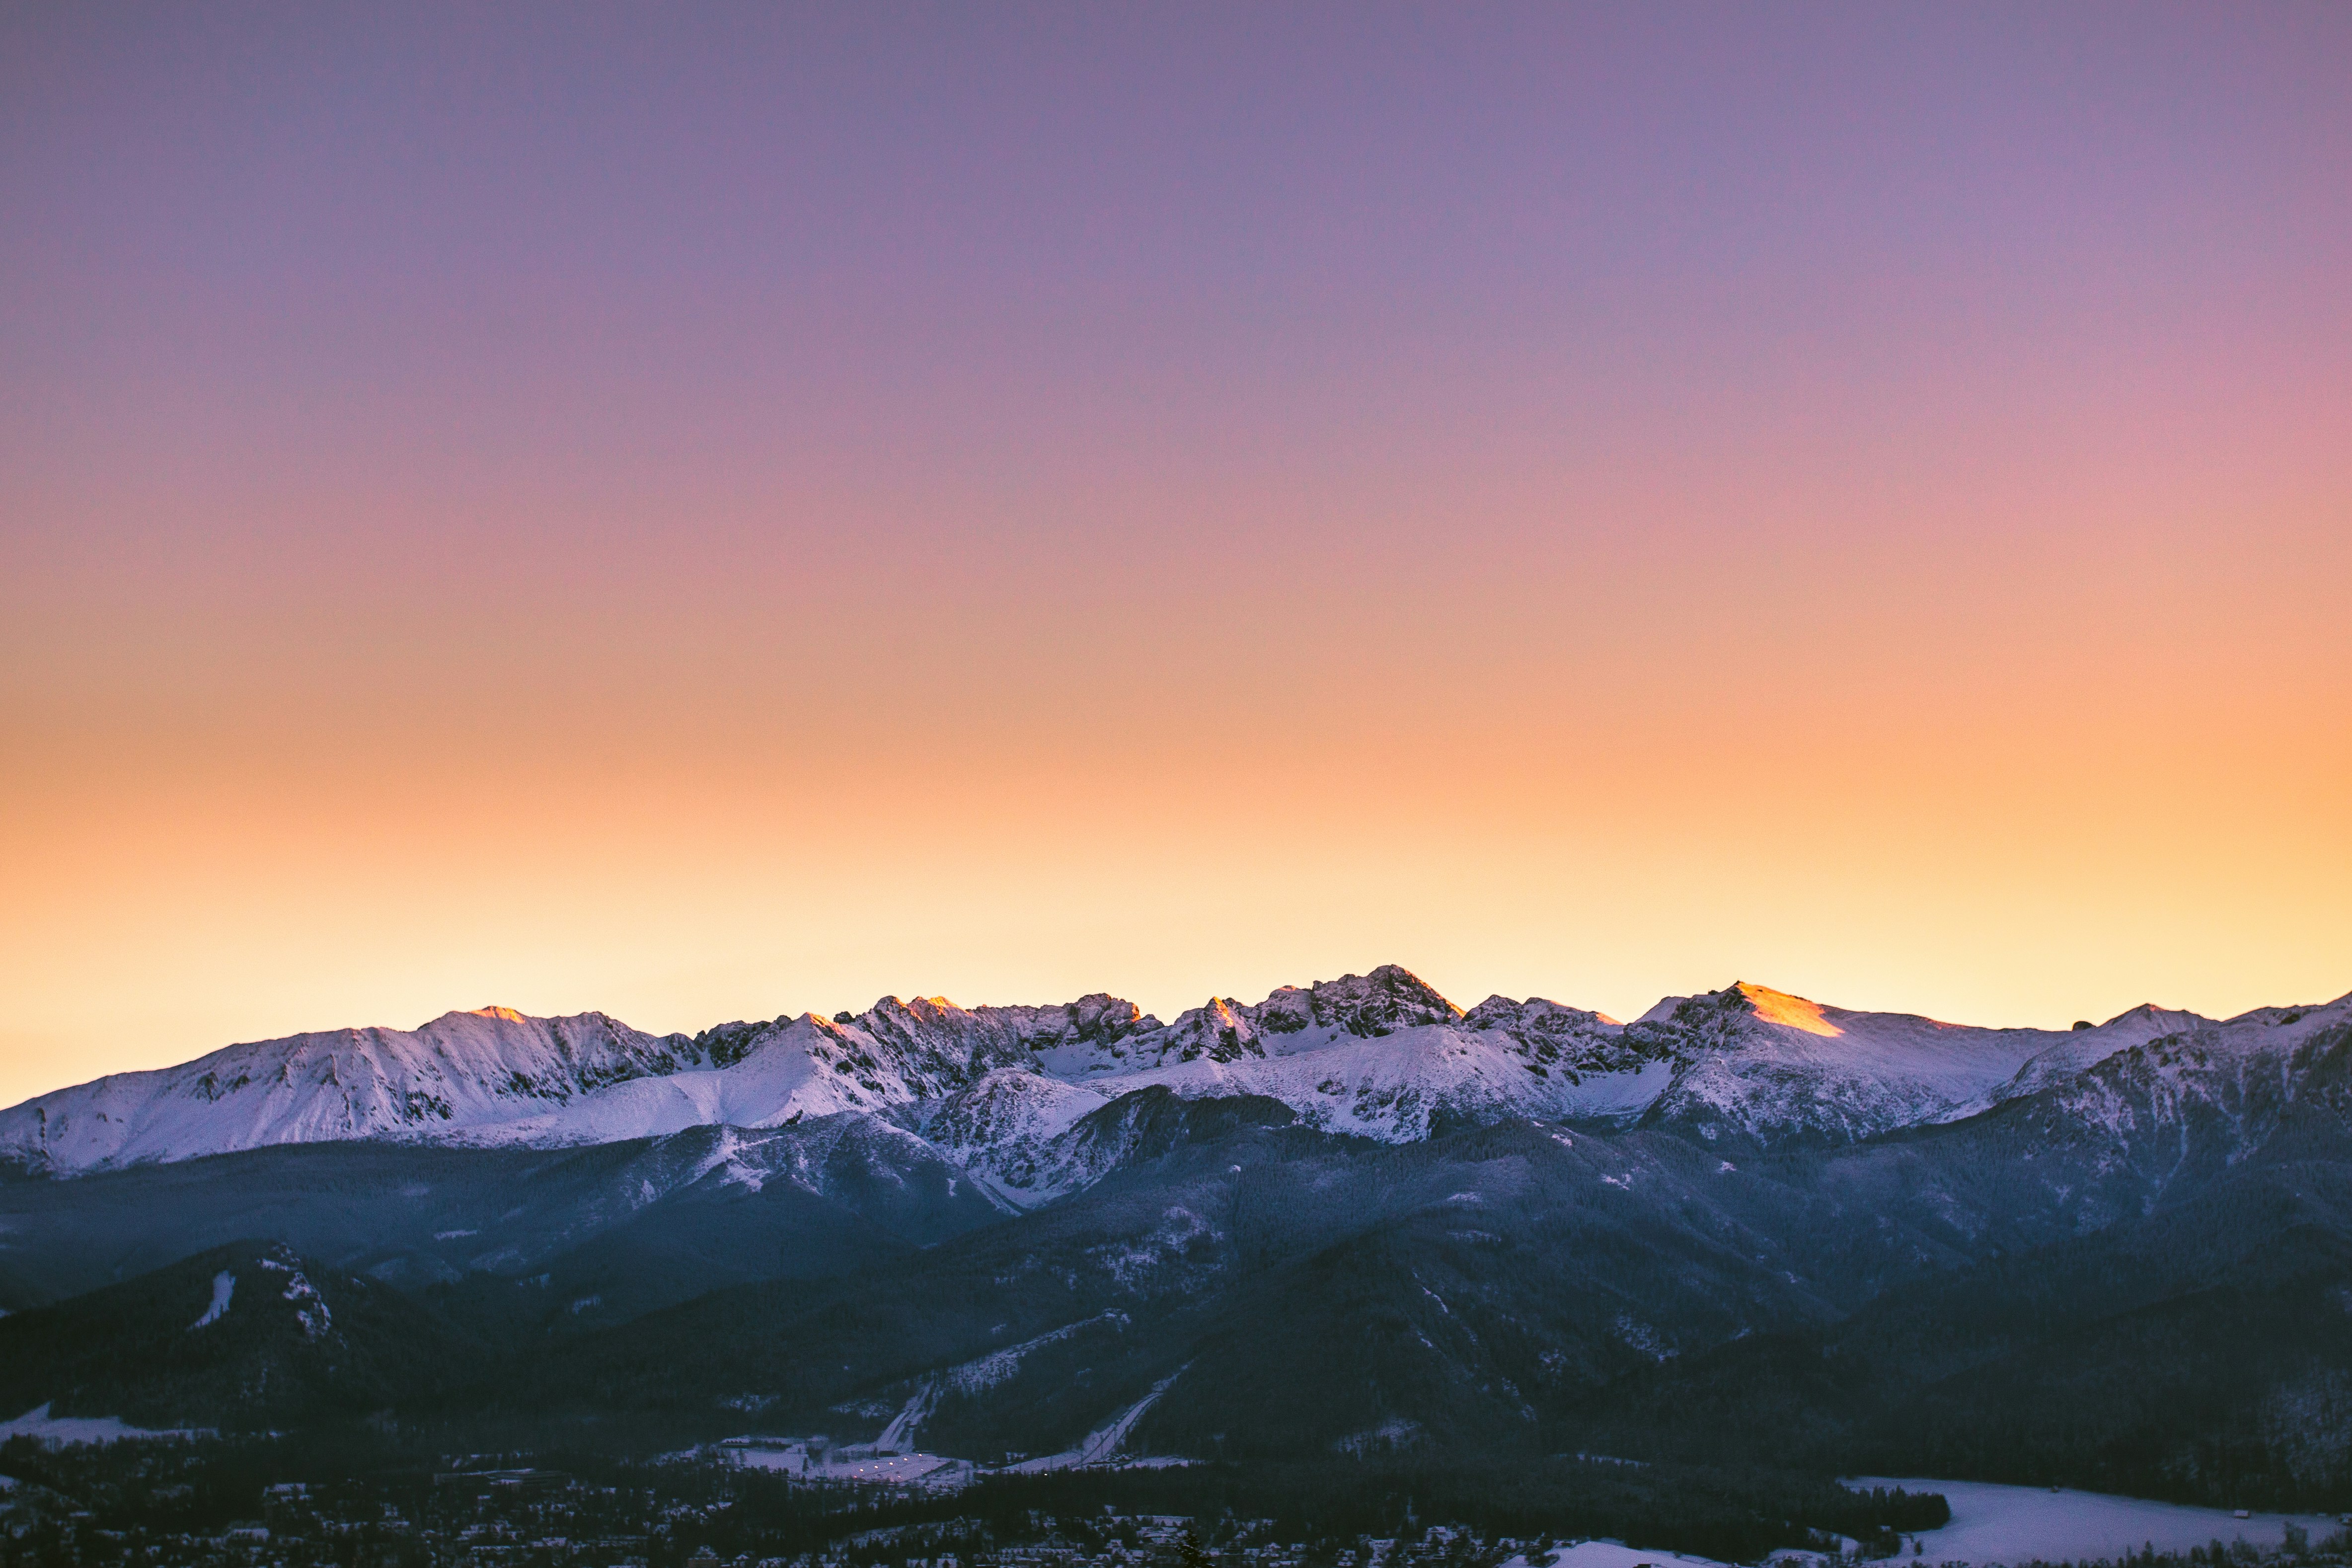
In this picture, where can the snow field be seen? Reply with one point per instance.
(2006, 1525)
(1993, 1523)
(56, 1431)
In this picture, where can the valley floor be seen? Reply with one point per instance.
(1993, 1523)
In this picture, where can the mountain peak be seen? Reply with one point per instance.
(1389, 998)
(1789, 1011)
(917, 1004)
(505, 1015)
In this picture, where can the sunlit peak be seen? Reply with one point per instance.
(1780, 1008)
(509, 1014)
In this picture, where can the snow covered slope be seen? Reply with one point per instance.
(1380, 1055)
(496, 1076)
(2219, 1088)
(459, 1071)
(1763, 1064)
(2083, 1048)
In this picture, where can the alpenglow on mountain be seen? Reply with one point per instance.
(997, 1089)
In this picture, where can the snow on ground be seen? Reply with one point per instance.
(2003, 1524)
(224, 1288)
(459, 1070)
(1097, 1446)
(57, 1430)
(898, 1438)
(870, 1470)
(1611, 1554)
(1994, 1524)
(898, 1470)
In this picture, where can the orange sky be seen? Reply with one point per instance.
(1917, 591)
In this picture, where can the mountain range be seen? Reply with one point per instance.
(1350, 1219)
(1381, 1054)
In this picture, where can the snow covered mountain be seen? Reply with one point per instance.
(2223, 1089)
(1002, 1091)
(463, 1068)
(1764, 1065)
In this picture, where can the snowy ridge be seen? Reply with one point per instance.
(2235, 1081)
(2085, 1048)
(1394, 1086)
(310, 1307)
(1002, 1091)
(463, 1068)
(829, 1156)
(1761, 1063)
(1007, 1128)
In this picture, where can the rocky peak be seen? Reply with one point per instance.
(1095, 1018)
(1389, 998)
(924, 1017)
(1537, 1017)
(1219, 1030)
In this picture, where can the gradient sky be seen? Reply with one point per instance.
(702, 512)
